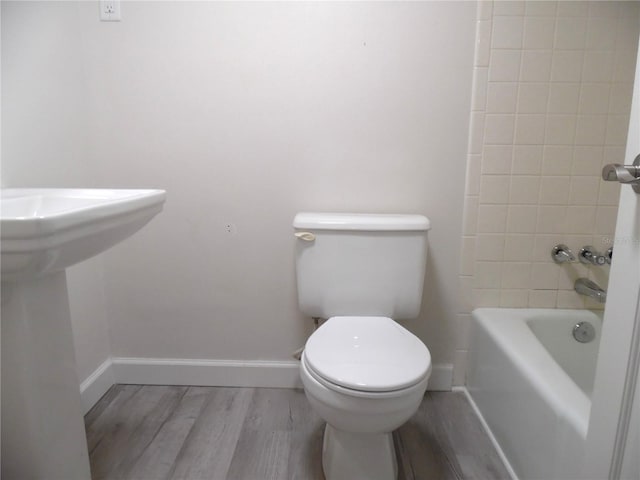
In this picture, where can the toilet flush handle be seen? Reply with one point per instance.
(306, 236)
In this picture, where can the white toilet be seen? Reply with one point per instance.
(362, 372)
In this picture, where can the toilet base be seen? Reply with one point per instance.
(358, 456)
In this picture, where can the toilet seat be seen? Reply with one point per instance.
(367, 354)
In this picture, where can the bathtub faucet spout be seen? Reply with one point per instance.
(584, 286)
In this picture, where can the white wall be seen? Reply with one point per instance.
(45, 140)
(246, 113)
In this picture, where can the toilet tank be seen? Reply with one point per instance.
(360, 264)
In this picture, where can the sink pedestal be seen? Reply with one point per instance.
(43, 433)
(44, 231)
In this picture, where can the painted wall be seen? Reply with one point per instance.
(551, 99)
(246, 113)
(46, 141)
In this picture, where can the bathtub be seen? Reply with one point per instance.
(531, 382)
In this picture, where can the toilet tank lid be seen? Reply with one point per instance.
(361, 221)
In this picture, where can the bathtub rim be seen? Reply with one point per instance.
(504, 325)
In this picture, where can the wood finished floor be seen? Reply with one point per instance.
(211, 433)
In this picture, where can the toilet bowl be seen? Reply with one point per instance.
(365, 376)
(362, 372)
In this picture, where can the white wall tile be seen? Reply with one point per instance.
(492, 218)
(530, 129)
(599, 275)
(617, 129)
(627, 30)
(540, 8)
(501, 97)
(463, 330)
(580, 219)
(479, 93)
(569, 299)
(525, 190)
(591, 304)
(487, 275)
(613, 154)
(518, 247)
(485, 9)
(578, 241)
(564, 97)
(557, 159)
(591, 130)
(609, 193)
(620, 98)
(507, 32)
(521, 218)
(560, 130)
(602, 9)
(494, 189)
(489, 246)
(476, 132)
(594, 98)
(605, 222)
(527, 159)
(570, 33)
(598, 66)
(483, 297)
(510, 298)
(587, 160)
(570, 272)
(601, 33)
(536, 65)
(496, 159)
(543, 243)
(504, 65)
(532, 98)
(538, 32)
(584, 190)
(624, 67)
(566, 66)
(571, 8)
(558, 95)
(551, 219)
(508, 7)
(499, 129)
(542, 298)
(544, 275)
(516, 275)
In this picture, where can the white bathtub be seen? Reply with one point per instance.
(532, 382)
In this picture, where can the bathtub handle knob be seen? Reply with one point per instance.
(561, 253)
(590, 256)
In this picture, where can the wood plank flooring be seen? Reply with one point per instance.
(211, 433)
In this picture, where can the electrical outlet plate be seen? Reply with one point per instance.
(110, 10)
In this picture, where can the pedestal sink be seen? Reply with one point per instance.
(42, 232)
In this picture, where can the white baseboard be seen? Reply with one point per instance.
(214, 373)
(487, 429)
(218, 373)
(96, 385)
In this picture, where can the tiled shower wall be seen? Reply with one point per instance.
(551, 99)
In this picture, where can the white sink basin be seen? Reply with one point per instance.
(44, 230)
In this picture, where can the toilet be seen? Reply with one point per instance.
(363, 373)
